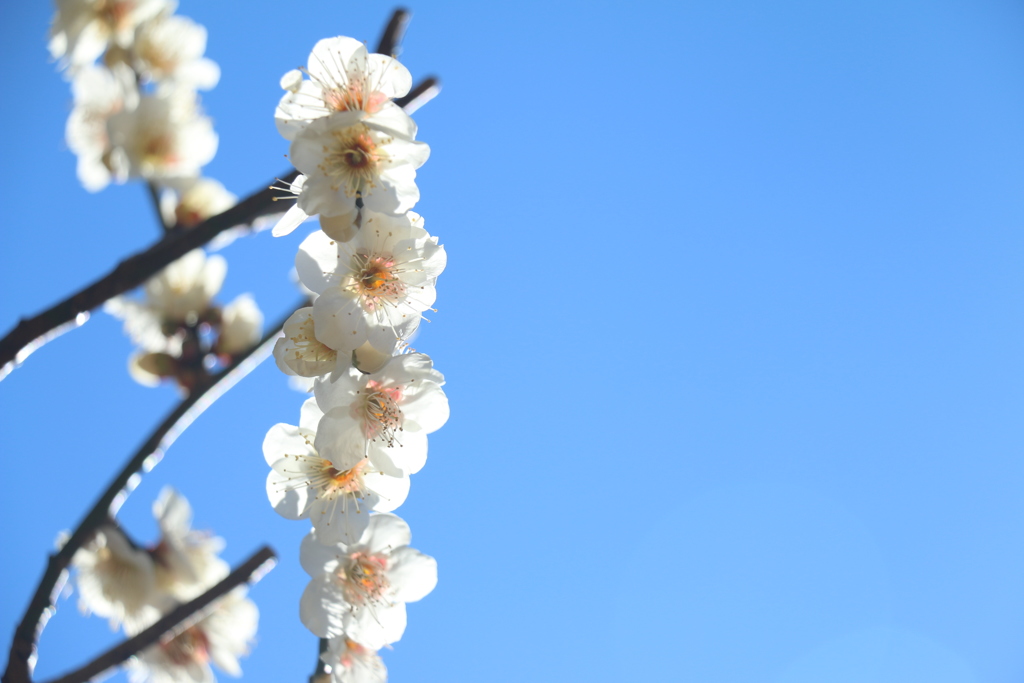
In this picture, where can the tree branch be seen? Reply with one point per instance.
(23, 646)
(250, 570)
(321, 673)
(130, 273)
(390, 42)
(425, 90)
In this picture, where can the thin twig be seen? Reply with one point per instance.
(251, 570)
(154, 198)
(23, 646)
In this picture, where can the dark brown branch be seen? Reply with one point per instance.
(425, 90)
(251, 570)
(391, 38)
(132, 272)
(23, 646)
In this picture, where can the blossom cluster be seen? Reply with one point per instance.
(180, 332)
(136, 110)
(371, 269)
(134, 586)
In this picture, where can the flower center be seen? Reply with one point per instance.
(381, 416)
(352, 97)
(114, 13)
(158, 150)
(191, 645)
(353, 162)
(363, 579)
(342, 482)
(376, 280)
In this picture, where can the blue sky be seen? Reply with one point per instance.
(731, 324)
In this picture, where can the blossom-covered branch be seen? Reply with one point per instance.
(373, 269)
(248, 572)
(26, 635)
(31, 333)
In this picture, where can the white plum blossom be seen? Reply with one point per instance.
(350, 662)
(83, 29)
(354, 156)
(170, 49)
(164, 137)
(336, 494)
(374, 287)
(187, 563)
(298, 352)
(359, 590)
(117, 581)
(99, 93)
(241, 326)
(180, 293)
(191, 201)
(342, 77)
(221, 637)
(390, 412)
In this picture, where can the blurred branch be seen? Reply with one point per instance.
(23, 646)
(250, 570)
(425, 90)
(391, 38)
(321, 673)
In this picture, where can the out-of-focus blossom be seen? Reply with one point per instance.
(169, 49)
(82, 29)
(165, 137)
(117, 581)
(190, 201)
(241, 326)
(220, 637)
(99, 93)
(187, 561)
(350, 662)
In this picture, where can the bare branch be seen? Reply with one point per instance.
(23, 646)
(249, 571)
(390, 42)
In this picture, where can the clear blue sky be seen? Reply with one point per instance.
(732, 326)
